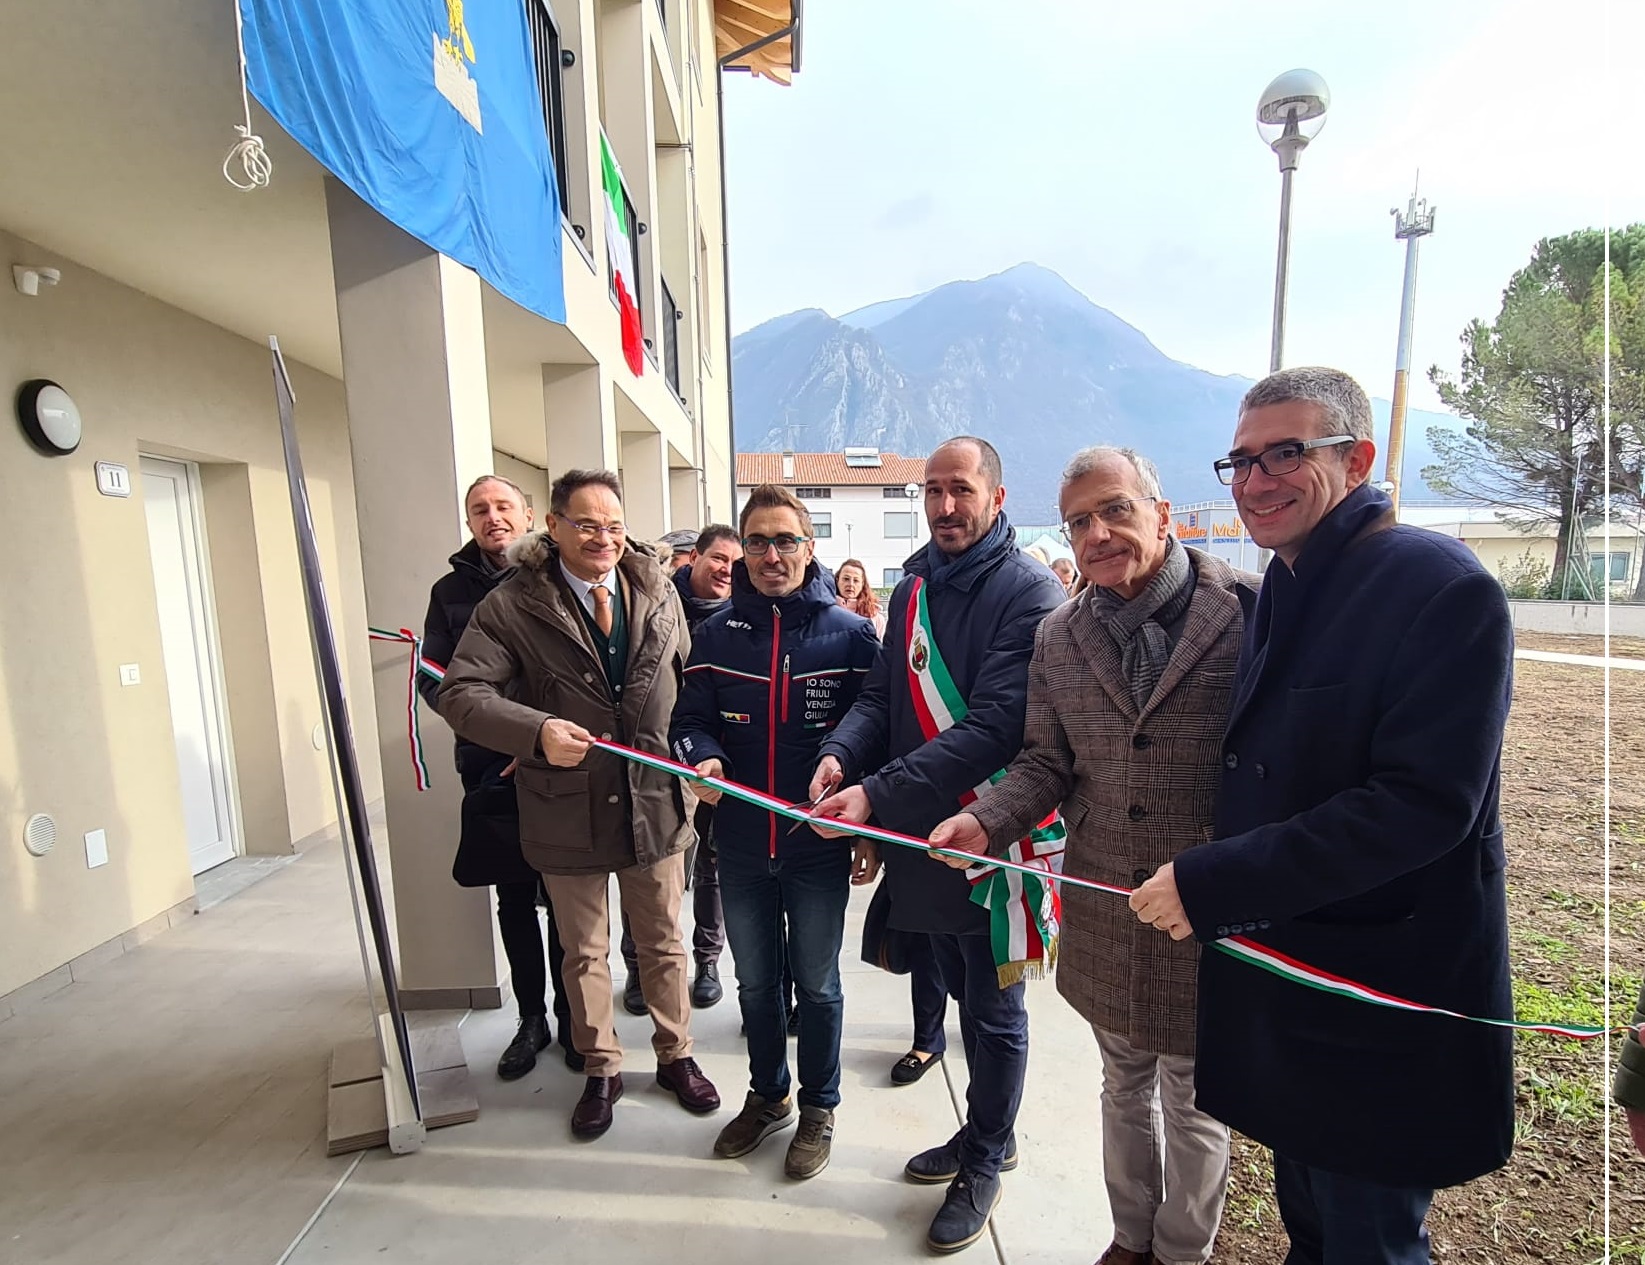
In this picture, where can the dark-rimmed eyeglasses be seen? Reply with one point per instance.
(1275, 461)
(1113, 514)
(757, 546)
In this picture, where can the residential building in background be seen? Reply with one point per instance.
(860, 502)
(156, 681)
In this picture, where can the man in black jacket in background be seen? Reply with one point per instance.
(497, 516)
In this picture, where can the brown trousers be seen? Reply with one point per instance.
(651, 898)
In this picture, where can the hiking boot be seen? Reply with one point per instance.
(809, 1151)
(963, 1217)
(942, 1163)
(756, 1122)
(521, 1055)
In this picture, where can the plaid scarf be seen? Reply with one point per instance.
(1138, 626)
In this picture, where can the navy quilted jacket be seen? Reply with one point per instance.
(767, 681)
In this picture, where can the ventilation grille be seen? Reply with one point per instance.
(40, 835)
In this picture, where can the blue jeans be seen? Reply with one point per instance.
(808, 884)
(1337, 1220)
(994, 1029)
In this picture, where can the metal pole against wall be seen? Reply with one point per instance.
(400, 1077)
(1411, 227)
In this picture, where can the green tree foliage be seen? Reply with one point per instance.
(1532, 385)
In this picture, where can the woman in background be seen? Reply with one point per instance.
(857, 595)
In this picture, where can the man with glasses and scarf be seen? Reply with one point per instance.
(1127, 694)
(941, 714)
(1358, 834)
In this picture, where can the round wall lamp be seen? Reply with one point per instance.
(50, 417)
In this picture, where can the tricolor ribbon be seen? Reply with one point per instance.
(1240, 947)
(419, 663)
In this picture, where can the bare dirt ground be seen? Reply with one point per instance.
(1547, 1205)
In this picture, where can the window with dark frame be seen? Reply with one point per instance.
(546, 52)
(814, 494)
(895, 494)
(670, 323)
(892, 577)
(822, 526)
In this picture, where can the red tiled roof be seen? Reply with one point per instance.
(828, 469)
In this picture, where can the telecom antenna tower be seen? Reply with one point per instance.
(1411, 227)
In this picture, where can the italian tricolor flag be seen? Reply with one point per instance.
(620, 254)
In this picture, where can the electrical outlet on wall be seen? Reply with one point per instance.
(97, 849)
(130, 674)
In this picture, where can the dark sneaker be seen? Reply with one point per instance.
(942, 1163)
(706, 988)
(633, 998)
(756, 1122)
(521, 1055)
(809, 1151)
(910, 1067)
(963, 1217)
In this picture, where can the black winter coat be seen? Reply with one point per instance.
(985, 607)
(697, 609)
(1357, 831)
(768, 679)
(489, 848)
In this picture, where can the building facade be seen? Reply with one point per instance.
(157, 687)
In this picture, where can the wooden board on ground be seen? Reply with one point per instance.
(356, 1114)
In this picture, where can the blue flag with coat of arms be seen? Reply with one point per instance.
(431, 112)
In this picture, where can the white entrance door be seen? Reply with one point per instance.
(188, 643)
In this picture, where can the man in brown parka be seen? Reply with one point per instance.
(588, 640)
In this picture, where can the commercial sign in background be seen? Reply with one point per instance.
(1217, 530)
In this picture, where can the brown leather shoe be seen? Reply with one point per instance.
(592, 1115)
(685, 1080)
(1117, 1255)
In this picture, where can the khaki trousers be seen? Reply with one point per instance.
(651, 898)
(1164, 1161)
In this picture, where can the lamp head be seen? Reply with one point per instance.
(1291, 112)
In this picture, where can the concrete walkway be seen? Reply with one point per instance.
(171, 1108)
(1582, 660)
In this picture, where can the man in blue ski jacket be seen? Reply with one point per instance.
(767, 681)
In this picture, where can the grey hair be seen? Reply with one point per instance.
(1086, 460)
(1344, 407)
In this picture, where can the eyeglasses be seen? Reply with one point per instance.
(590, 530)
(1114, 514)
(1280, 459)
(756, 546)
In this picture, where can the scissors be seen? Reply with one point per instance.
(811, 808)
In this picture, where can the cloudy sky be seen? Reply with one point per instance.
(930, 140)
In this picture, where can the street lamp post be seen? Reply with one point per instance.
(912, 491)
(1289, 115)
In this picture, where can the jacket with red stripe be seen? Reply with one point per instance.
(767, 681)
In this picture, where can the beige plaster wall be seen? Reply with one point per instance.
(79, 601)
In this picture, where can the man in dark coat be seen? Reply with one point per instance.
(984, 599)
(1358, 833)
(497, 516)
(704, 584)
(767, 680)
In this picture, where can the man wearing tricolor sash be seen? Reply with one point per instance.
(940, 717)
(1128, 692)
